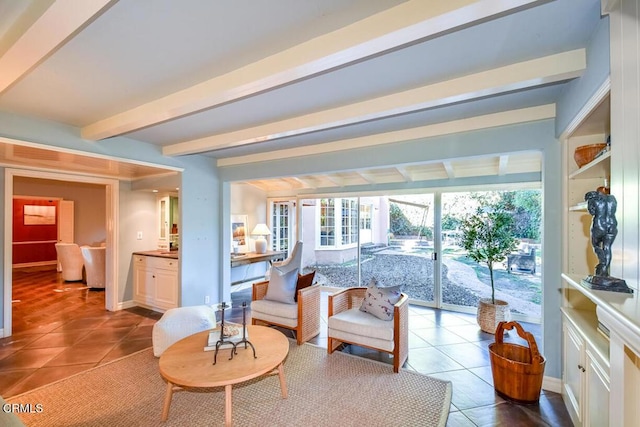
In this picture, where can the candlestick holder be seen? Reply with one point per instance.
(223, 337)
(244, 330)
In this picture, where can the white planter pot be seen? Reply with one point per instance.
(489, 315)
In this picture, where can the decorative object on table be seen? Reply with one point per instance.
(587, 153)
(239, 233)
(604, 229)
(262, 231)
(487, 237)
(517, 370)
(229, 334)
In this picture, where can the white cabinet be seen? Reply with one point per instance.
(155, 282)
(585, 377)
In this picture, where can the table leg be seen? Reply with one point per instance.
(228, 418)
(167, 401)
(283, 382)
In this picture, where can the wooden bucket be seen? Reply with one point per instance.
(517, 370)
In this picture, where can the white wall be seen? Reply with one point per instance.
(138, 213)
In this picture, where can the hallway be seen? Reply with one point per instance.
(60, 329)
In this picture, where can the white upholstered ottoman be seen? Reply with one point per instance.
(178, 323)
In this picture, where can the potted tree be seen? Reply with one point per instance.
(487, 237)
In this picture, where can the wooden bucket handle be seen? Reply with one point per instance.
(536, 357)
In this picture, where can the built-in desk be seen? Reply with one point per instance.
(252, 257)
(248, 268)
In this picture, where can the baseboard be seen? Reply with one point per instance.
(34, 264)
(2, 332)
(552, 384)
(126, 304)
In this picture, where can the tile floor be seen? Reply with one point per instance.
(61, 329)
(450, 346)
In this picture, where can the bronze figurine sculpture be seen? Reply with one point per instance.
(604, 228)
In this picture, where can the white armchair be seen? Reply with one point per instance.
(348, 324)
(94, 264)
(71, 261)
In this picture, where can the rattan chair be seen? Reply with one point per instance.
(303, 317)
(347, 324)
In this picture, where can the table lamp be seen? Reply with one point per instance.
(261, 231)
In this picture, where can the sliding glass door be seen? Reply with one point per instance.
(393, 238)
(517, 278)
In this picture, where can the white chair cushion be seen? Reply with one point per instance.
(178, 323)
(276, 312)
(363, 324)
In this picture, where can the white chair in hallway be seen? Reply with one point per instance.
(94, 264)
(71, 262)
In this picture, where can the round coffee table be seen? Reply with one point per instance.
(186, 364)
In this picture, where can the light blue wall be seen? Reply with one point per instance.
(199, 192)
(578, 91)
(536, 136)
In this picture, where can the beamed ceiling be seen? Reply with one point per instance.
(252, 81)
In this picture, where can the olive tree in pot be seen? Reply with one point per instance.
(488, 238)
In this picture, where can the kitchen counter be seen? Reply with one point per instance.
(160, 253)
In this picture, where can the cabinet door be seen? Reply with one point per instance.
(572, 375)
(143, 285)
(597, 393)
(166, 288)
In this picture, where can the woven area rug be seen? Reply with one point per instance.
(324, 390)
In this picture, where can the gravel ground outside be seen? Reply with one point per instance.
(461, 284)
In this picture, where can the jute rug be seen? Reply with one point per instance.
(324, 390)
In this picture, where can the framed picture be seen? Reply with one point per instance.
(39, 215)
(239, 233)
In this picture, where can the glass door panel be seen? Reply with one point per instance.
(396, 243)
(465, 281)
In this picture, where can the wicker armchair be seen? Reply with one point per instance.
(303, 318)
(347, 324)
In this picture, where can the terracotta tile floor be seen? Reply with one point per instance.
(61, 329)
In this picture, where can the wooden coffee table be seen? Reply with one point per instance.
(186, 364)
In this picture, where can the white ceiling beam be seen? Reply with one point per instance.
(447, 128)
(404, 173)
(502, 164)
(448, 167)
(369, 179)
(334, 180)
(532, 73)
(397, 27)
(61, 21)
(306, 183)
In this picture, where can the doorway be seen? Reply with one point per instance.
(111, 191)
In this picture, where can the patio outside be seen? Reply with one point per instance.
(407, 254)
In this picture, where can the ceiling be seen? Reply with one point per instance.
(252, 80)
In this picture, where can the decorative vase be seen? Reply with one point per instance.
(490, 315)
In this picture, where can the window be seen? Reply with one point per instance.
(281, 213)
(365, 217)
(349, 221)
(327, 222)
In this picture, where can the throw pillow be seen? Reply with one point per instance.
(379, 301)
(304, 281)
(282, 286)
